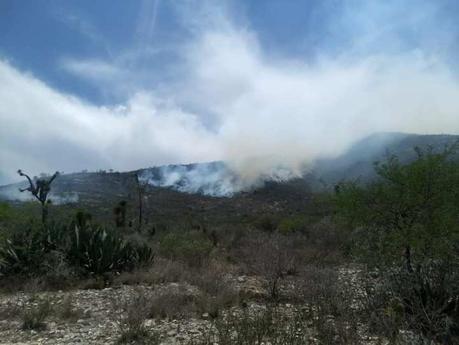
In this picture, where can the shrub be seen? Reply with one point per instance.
(172, 303)
(267, 223)
(407, 229)
(266, 326)
(271, 256)
(67, 311)
(34, 317)
(330, 305)
(411, 208)
(132, 323)
(425, 301)
(292, 224)
(193, 247)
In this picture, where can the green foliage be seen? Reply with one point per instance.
(292, 224)
(193, 247)
(411, 209)
(410, 216)
(267, 223)
(5, 211)
(24, 251)
(89, 249)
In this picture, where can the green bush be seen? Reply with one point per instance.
(191, 247)
(292, 224)
(267, 223)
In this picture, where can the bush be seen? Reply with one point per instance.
(67, 311)
(292, 224)
(267, 223)
(266, 326)
(411, 209)
(330, 305)
(192, 248)
(425, 301)
(132, 323)
(34, 317)
(271, 256)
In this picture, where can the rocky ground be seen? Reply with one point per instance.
(95, 321)
(97, 316)
(93, 316)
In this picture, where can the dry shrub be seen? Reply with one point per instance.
(271, 256)
(265, 326)
(33, 318)
(325, 242)
(424, 302)
(131, 322)
(330, 305)
(67, 310)
(217, 290)
(172, 303)
(162, 271)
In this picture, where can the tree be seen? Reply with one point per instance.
(411, 209)
(406, 224)
(40, 188)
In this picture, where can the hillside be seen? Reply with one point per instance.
(99, 192)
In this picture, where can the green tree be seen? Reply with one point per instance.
(411, 209)
(406, 224)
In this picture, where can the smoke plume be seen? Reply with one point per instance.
(383, 67)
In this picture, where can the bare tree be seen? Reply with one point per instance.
(40, 188)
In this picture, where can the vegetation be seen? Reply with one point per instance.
(39, 188)
(33, 318)
(407, 228)
(89, 250)
(376, 258)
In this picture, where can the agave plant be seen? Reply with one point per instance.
(23, 252)
(97, 251)
(89, 249)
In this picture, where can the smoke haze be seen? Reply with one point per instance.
(382, 67)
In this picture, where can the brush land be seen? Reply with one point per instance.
(353, 252)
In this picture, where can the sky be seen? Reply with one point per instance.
(260, 84)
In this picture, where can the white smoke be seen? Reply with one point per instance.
(213, 179)
(268, 116)
(12, 193)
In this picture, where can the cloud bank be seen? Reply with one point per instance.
(232, 100)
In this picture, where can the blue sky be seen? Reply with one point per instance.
(129, 84)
